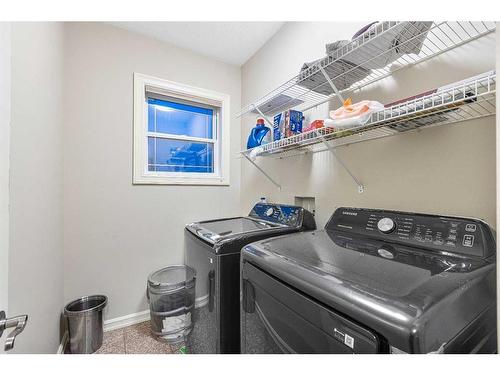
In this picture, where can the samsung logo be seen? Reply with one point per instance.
(349, 213)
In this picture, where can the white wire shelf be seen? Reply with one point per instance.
(313, 86)
(469, 99)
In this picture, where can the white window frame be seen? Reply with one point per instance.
(204, 97)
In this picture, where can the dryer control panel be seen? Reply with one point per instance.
(463, 236)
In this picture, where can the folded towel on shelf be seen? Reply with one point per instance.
(359, 58)
(278, 103)
(343, 74)
(393, 41)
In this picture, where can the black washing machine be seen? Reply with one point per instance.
(372, 281)
(213, 249)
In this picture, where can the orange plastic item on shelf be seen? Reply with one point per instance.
(349, 110)
(316, 124)
(320, 124)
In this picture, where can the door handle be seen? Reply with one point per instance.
(211, 290)
(17, 322)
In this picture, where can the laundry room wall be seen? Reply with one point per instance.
(36, 179)
(116, 233)
(447, 169)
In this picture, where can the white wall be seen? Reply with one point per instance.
(4, 160)
(116, 233)
(447, 169)
(36, 236)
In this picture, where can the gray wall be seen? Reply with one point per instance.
(116, 233)
(446, 169)
(36, 235)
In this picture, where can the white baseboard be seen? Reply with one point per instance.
(126, 320)
(62, 345)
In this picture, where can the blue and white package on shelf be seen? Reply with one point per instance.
(278, 126)
(287, 123)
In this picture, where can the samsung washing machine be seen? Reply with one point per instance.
(372, 281)
(213, 249)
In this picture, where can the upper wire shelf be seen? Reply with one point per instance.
(361, 62)
(468, 99)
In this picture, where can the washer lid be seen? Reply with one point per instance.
(228, 227)
(232, 228)
(172, 277)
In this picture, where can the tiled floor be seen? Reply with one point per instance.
(136, 339)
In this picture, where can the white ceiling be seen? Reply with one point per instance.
(231, 42)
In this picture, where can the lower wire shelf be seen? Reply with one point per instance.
(465, 100)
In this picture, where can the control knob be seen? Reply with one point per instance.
(269, 211)
(386, 225)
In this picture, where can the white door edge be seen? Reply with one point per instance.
(5, 82)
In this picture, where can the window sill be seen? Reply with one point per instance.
(161, 180)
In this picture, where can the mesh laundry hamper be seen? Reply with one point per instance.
(171, 294)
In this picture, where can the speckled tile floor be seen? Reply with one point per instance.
(136, 339)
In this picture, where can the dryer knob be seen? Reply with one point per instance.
(386, 225)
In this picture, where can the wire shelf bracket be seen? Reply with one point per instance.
(338, 95)
(262, 171)
(361, 187)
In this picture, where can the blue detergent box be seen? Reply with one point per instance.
(279, 126)
(287, 123)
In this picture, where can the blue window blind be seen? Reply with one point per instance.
(181, 137)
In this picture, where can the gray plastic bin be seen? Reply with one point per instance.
(85, 323)
(171, 294)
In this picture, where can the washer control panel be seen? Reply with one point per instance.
(278, 213)
(450, 234)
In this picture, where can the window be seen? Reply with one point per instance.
(181, 137)
(181, 134)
